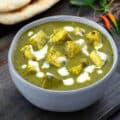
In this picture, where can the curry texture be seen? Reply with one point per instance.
(65, 43)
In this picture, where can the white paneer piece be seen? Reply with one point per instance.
(45, 65)
(99, 71)
(80, 34)
(40, 74)
(30, 33)
(80, 41)
(41, 53)
(34, 36)
(63, 71)
(103, 56)
(85, 50)
(97, 47)
(24, 66)
(61, 59)
(68, 81)
(90, 68)
(83, 77)
(69, 28)
(35, 64)
(49, 74)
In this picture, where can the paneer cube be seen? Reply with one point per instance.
(96, 59)
(93, 37)
(59, 37)
(38, 40)
(72, 49)
(76, 66)
(28, 52)
(76, 69)
(53, 57)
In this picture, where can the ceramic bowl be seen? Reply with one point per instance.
(61, 101)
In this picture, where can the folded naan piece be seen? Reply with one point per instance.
(10, 5)
(34, 8)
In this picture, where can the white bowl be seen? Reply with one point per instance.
(61, 101)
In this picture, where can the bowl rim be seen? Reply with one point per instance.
(63, 18)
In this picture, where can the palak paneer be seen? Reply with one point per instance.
(62, 55)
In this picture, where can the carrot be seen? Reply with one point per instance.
(106, 22)
(113, 19)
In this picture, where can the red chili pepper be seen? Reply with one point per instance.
(106, 22)
(113, 19)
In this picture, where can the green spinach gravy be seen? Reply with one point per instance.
(62, 55)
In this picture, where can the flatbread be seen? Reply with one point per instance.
(10, 5)
(27, 12)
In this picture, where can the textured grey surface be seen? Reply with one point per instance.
(13, 106)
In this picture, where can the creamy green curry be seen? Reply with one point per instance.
(62, 55)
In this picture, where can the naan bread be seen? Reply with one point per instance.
(10, 5)
(27, 12)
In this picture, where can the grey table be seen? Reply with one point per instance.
(13, 106)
